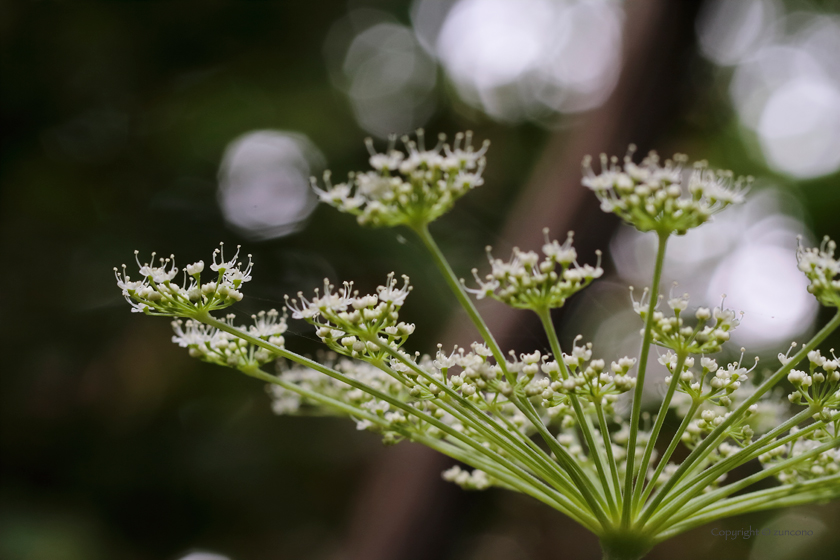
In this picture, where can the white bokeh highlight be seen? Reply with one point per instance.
(527, 59)
(386, 74)
(204, 556)
(786, 83)
(729, 32)
(264, 187)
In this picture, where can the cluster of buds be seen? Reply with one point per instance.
(156, 293)
(713, 383)
(484, 383)
(820, 386)
(412, 188)
(475, 480)
(219, 347)
(822, 270)
(820, 465)
(671, 332)
(586, 378)
(526, 282)
(477, 376)
(356, 325)
(714, 390)
(651, 196)
(710, 418)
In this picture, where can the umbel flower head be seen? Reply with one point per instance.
(822, 270)
(712, 328)
(526, 282)
(218, 347)
(156, 293)
(608, 468)
(351, 324)
(412, 188)
(651, 196)
(819, 387)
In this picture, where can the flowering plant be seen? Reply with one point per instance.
(545, 425)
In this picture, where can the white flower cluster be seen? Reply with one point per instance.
(351, 324)
(412, 189)
(475, 480)
(586, 378)
(671, 331)
(822, 464)
(391, 422)
(714, 393)
(651, 196)
(477, 375)
(822, 270)
(212, 345)
(156, 293)
(741, 430)
(526, 282)
(820, 386)
(712, 383)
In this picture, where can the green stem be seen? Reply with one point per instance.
(717, 495)
(780, 496)
(702, 449)
(477, 422)
(605, 434)
(578, 476)
(675, 441)
(457, 453)
(694, 486)
(584, 483)
(687, 496)
(759, 501)
(585, 426)
(657, 426)
(640, 380)
(459, 292)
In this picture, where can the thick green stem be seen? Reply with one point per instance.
(625, 545)
(640, 381)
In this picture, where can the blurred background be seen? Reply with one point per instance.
(173, 126)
